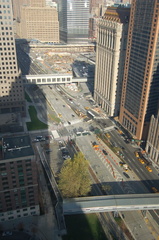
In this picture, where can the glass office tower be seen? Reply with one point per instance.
(141, 74)
(74, 20)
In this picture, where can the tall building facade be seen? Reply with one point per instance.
(74, 20)
(110, 58)
(126, 1)
(141, 74)
(152, 144)
(16, 7)
(11, 86)
(18, 179)
(38, 21)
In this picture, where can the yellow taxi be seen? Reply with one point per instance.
(136, 154)
(148, 169)
(141, 160)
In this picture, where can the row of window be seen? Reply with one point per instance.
(47, 80)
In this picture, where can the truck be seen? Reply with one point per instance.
(125, 167)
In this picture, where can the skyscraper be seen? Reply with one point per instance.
(141, 74)
(110, 57)
(38, 21)
(11, 87)
(152, 144)
(74, 20)
(16, 7)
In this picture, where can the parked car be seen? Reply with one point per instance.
(6, 233)
(39, 137)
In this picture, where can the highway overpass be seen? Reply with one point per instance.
(111, 203)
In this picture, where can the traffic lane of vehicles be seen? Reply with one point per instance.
(76, 102)
(97, 165)
(122, 172)
(136, 166)
(66, 113)
(127, 151)
(140, 170)
(133, 185)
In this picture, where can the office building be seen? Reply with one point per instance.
(18, 179)
(152, 144)
(38, 21)
(11, 87)
(74, 20)
(141, 74)
(95, 6)
(126, 1)
(16, 7)
(110, 58)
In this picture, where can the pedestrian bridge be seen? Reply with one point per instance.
(51, 79)
(111, 203)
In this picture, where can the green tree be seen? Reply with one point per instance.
(74, 179)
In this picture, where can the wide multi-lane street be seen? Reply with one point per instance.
(71, 108)
(114, 182)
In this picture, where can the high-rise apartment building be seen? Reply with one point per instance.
(11, 86)
(74, 20)
(18, 179)
(110, 58)
(141, 74)
(38, 21)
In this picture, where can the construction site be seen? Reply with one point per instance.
(61, 60)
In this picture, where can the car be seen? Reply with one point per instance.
(141, 160)
(39, 137)
(137, 154)
(126, 175)
(48, 151)
(155, 190)
(6, 233)
(35, 140)
(64, 151)
(73, 115)
(66, 157)
(105, 153)
(48, 137)
(63, 105)
(42, 139)
(121, 163)
(148, 169)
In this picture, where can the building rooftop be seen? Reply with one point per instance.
(117, 13)
(15, 147)
(8, 118)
